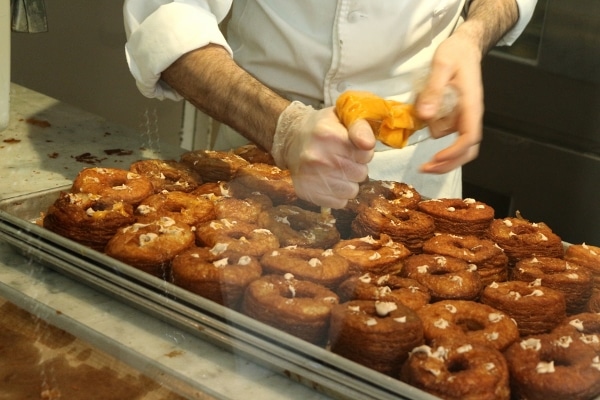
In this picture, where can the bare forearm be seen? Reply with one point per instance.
(215, 84)
(488, 20)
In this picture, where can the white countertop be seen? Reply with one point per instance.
(43, 154)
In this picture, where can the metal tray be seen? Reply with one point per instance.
(307, 363)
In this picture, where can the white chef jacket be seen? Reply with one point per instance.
(312, 51)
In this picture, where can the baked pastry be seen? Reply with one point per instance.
(584, 327)
(445, 277)
(399, 194)
(520, 238)
(551, 366)
(458, 372)
(213, 165)
(150, 247)
(316, 265)
(587, 256)
(392, 122)
(294, 226)
(180, 206)
(535, 308)
(567, 277)
(458, 216)
(113, 183)
(491, 262)
(237, 236)
(169, 175)
(246, 209)
(593, 304)
(384, 288)
(461, 321)
(378, 256)
(88, 219)
(409, 227)
(300, 308)
(218, 276)
(378, 335)
(213, 190)
(254, 154)
(266, 179)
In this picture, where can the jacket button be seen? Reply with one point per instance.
(356, 16)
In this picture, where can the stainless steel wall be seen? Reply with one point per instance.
(541, 148)
(81, 61)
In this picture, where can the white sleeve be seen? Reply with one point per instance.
(526, 8)
(160, 31)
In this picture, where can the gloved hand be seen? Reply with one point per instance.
(326, 161)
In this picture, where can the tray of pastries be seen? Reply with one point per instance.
(394, 296)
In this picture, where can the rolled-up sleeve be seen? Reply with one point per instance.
(526, 8)
(159, 32)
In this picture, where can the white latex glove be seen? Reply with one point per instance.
(326, 161)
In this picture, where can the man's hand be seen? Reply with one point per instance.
(456, 65)
(326, 161)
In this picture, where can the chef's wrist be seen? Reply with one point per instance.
(288, 124)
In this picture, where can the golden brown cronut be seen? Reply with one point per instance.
(377, 266)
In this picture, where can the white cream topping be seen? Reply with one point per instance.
(451, 308)
(535, 293)
(145, 209)
(147, 238)
(457, 279)
(464, 349)
(283, 220)
(545, 367)
(219, 248)
(422, 269)
(121, 187)
(577, 324)
(495, 317)
(564, 342)
(596, 363)
(328, 253)
(590, 339)
(368, 239)
(514, 295)
(441, 323)
(244, 260)
(315, 262)
(531, 344)
(223, 262)
(262, 231)
(383, 308)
